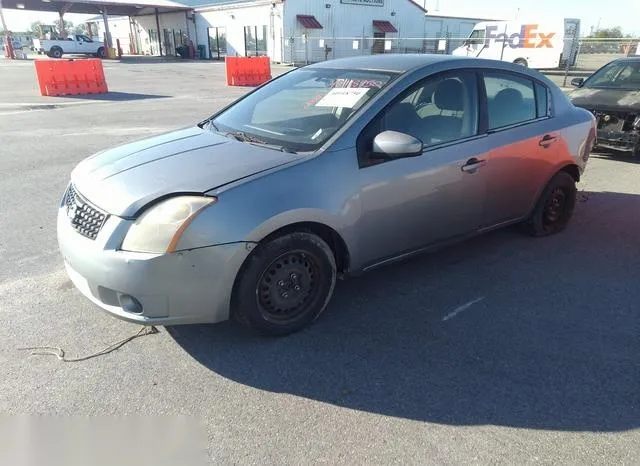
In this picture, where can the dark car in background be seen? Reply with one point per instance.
(612, 94)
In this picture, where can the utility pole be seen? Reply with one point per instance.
(6, 33)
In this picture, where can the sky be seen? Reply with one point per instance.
(623, 13)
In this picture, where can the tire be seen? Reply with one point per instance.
(55, 52)
(554, 209)
(522, 62)
(285, 284)
(100, 52)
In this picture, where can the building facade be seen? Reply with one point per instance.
(296, 31)
(306, 31)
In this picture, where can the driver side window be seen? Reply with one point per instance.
(436, 110)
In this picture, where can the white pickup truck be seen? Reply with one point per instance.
(75, 44)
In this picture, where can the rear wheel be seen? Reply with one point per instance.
(521, 61)
(100, 52)
(55, 52)
(555, 206)
(285, 284)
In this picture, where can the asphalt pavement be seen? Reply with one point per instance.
(501, 350)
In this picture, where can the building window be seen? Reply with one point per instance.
(255, 41)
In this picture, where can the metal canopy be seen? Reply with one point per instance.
(309, 21)
(113, 7)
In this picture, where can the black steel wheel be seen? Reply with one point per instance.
(285, 284)
(555, 206)
(288, 286)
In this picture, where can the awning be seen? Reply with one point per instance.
(309, 22)
(384, 26)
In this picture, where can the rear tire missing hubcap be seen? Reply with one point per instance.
(555, 206)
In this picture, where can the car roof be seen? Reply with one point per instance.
(399, 63)
(627, 59)
(403, 63)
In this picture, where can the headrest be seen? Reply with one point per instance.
(508, 97)
(448, 95)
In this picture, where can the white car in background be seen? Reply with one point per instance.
(74, 44)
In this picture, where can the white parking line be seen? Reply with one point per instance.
(18, 108)
(115, 131)
(459, 309)
(41, 104)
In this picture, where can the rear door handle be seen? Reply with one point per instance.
(547, 140)
(473, 164)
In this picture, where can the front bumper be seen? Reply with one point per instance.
(618, 140)
(150, 289)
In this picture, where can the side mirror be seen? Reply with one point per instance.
(577, 82)
(395, 144)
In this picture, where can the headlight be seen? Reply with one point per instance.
(158, 230)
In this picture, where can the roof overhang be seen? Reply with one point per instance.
(384, 26)
(308, 21)
(113, 7)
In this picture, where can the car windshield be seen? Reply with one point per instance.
(621, 75)
(476, 37)
(302, 109)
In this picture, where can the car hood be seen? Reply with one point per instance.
(124, 179)
(606, 99)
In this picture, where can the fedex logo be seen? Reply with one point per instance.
(527, 38)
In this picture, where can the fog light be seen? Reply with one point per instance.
(130, 304)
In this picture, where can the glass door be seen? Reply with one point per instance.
(217, 43)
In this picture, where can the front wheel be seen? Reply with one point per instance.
(555, 206)
(285, 284)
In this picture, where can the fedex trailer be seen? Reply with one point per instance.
(540, 45)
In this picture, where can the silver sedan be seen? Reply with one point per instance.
(327, 171)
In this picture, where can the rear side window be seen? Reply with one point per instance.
(510, 99)
(542, 101)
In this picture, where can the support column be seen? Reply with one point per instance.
(107, 34)
(133, 44)
(7, 37)
(159, 36)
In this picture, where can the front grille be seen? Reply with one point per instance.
(86, 219)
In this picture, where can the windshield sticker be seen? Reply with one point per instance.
(342, 97)
(369, 83)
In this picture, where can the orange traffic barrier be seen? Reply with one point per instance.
(71, 77)
(247, 71)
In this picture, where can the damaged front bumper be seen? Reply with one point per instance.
(618, 131)
(621, 141)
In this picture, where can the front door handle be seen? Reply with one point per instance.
(547, 140)
(473, 164)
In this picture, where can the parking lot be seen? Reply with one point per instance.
(501, 350)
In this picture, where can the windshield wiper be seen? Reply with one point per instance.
(244, 137)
